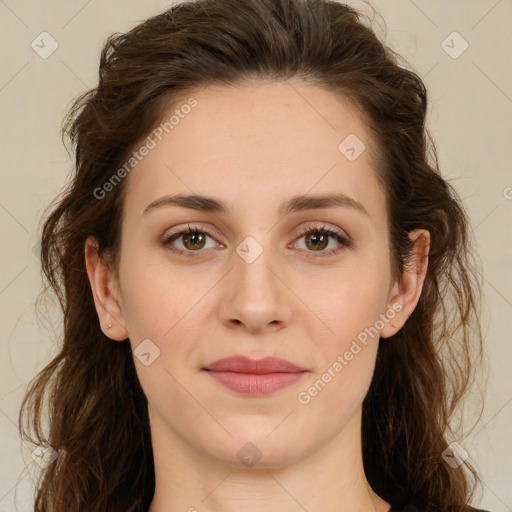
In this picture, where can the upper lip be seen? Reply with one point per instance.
(242, 364)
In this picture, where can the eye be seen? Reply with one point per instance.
(193, 240)
(317, 238)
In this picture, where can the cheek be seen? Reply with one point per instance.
(167, 307)
(155, 296)
(349, 299)
(352, 309)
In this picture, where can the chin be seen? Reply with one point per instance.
(257, 450)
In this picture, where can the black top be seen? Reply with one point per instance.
(412, 508)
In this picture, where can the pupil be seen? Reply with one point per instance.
(192, 238)
(320, 238)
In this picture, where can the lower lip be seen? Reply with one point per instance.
(256, 384)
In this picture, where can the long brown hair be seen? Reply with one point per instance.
(98, 419)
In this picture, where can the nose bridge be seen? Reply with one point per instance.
(255, 295)
(255, 266)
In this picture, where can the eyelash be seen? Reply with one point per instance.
(344, 242)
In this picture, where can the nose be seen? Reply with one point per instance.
(255, 295)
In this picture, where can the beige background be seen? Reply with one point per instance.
(470, 118)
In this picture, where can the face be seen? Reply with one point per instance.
(247, 281)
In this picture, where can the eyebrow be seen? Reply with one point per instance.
(294, 204)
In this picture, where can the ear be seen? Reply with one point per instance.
(105, 290)
(406, 291)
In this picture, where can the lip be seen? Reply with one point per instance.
(255, 376)
(242, 364)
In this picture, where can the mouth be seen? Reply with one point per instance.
(255, 376)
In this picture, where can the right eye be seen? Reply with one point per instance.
(194, 237)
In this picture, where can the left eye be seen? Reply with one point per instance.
(318, 238)
(194, 239)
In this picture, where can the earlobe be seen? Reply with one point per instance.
(105, 290)
(406, 292)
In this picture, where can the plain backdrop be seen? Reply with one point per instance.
(461, 48)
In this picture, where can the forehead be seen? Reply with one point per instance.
(256, 142)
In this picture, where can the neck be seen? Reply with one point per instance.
(329, 479)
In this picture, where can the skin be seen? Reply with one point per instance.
(254, 147)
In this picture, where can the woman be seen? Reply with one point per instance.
(268, 296)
